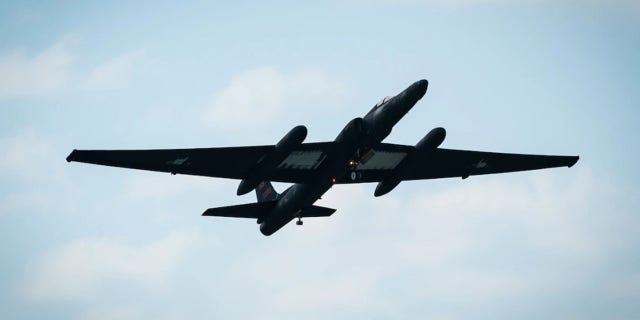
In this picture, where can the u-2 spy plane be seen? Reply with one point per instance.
(356, 155)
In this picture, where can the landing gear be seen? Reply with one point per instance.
(299, 222)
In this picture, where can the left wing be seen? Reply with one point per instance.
(446, 163)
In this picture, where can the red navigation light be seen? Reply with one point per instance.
(333, 180)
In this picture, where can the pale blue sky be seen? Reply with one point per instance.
(550, 77)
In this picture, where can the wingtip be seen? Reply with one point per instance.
(71, 156)
(573, 161)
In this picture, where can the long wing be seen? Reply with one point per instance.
(447, 163)
(304, 163)
(232, 162)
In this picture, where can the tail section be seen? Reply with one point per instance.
(248, 210)
(266, 192)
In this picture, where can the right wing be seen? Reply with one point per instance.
(231, 162)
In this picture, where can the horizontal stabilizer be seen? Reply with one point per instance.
(317, 211)
(260, 210)
(250, 210)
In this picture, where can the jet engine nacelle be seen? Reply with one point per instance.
(353, 133)
(386, 185)
(269, 162)
(431, 141)
(351, 138)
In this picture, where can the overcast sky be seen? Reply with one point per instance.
(89, 242)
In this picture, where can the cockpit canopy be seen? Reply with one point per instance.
(383, 101)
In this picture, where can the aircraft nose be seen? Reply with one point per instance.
(419, 88)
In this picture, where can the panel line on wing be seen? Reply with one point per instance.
(324, 156)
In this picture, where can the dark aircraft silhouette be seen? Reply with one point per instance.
(356, 155)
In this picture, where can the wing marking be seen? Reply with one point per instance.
(178, 162)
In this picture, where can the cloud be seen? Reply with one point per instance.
(261, 95)
(114, 73)
(631, 5)
(112, 312)
(456, 3)
(531, 241)
(485, 244)
(145, 185)
(346, 290)
(545, 208)
(83, 269)
(51, 72)
(33, 181)
(480, 2)
(44, 73)
(22, 155)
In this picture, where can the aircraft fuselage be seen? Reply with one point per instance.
(351, 147)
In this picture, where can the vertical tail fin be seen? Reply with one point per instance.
(266, 192)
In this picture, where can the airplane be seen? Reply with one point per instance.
(356, 155)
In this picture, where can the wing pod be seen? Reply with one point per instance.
(386, 185)
(431, 141)
(270, 161)
(353, 133)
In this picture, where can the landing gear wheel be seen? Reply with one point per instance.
(299, 222)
